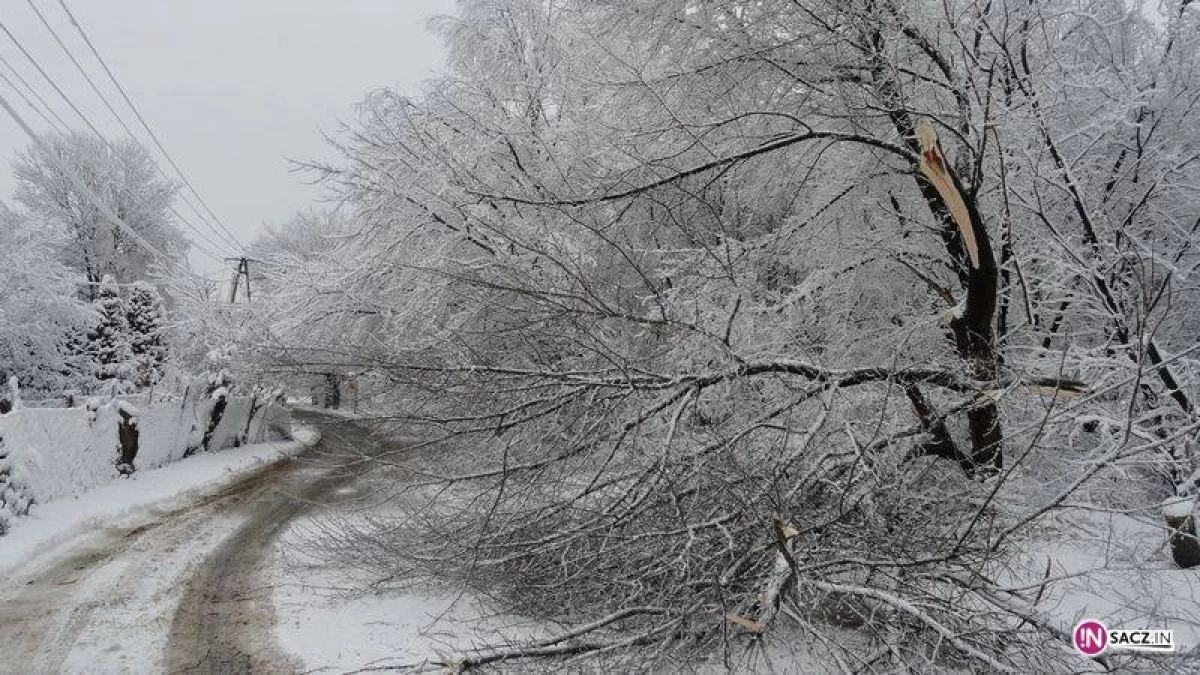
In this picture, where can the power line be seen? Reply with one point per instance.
(49, 79)
(226, 240)
(25, 98)
(121, 120)
(137, 113)
(103, 99)
(16, 73)
(215, 257)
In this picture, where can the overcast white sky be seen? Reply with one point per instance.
(232, 87)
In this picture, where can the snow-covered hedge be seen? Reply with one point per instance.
(48, 453)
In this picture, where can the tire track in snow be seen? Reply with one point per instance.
(113, 602)
(49, 614)
(225, 620)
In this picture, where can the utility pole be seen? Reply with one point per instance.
(242, 271)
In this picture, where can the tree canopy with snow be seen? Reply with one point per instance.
(123, 176)
(39, 306)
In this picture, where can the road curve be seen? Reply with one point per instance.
(178, 592)
(224, 621)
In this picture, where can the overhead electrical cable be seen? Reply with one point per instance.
(49, 79)
(62, 125)
(137, 113)
(121, 120)
(217, 257)
(208, 252)
(29, 103)
(16, 73)
(103, 99)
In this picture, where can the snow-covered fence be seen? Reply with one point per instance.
(52, 453)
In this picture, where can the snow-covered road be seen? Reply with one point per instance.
(180, 589)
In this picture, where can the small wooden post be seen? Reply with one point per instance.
(127, 434)
(214, 419)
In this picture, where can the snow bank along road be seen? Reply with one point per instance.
(179, 591)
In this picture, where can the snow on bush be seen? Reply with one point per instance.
(15, 494)
(39, 309)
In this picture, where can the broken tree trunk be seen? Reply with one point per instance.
(968, 246)
(971, 320)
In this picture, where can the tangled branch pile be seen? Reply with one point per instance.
(801, 324)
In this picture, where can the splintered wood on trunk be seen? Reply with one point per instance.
(967, 244)
(971, 324)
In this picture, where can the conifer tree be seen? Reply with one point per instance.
(108, 342)
(145, 316)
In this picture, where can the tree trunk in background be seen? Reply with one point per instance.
(333, 391)
(1180, 514)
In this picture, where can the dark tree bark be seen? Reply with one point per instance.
(256, 406)
(939, 443)
(975, 341)
(969, 246)
(333, 391)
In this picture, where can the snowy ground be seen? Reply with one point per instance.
(327, 622)
(1115, 568)
(333, 620)
(91, 584)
